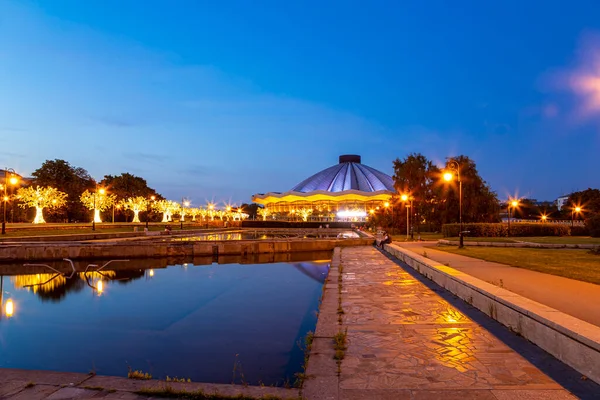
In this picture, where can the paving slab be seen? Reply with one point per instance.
(406, 334)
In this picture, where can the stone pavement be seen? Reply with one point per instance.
(410, 339)
(573, 297)
(47, 385)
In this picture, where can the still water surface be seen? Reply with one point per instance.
(192, 321)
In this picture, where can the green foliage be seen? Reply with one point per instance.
(593, 225)
(588, 200)
(69, 179)
(140, 375)
(436, 202)
(501, 230)
(176, 379)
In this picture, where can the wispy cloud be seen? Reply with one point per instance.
(118, 122)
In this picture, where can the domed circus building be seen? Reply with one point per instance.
(348, 191)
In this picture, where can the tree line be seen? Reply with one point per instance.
(433, 201)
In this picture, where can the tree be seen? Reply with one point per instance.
(305, 213)
(264, 213)
(166, 207)
(40, 198)
(97, 202)
(136, 204)
(480, 203)
(416, 177)
(588, 200)
(250, 209)
(127, 185)
(69, 179)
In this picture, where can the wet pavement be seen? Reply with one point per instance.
(410, 339)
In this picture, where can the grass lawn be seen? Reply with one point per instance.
(424, 236)
(541, 239)
(484, 239)
(574, 264)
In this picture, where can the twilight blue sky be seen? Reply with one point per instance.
(217, 100)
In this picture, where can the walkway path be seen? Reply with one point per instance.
(573, 297)
(410, 339)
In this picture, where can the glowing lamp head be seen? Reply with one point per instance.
(404, 197)
(372, 211)
(386, 204)
(5, 198)
(544, 217)
(211, 206)
(577, 209)
(187, 203)
(514, 203)
(102, 191)
(13, 180)
(228, 208)
(152, 198)
(448, 176)
(9, 309)
(53, 201)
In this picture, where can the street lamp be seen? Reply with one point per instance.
(454, 166)
(148, 210)
(404, 199)
(100, 191)
(576, 209)
(13, 180)
(514, 204)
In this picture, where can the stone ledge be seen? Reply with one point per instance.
(574, 342)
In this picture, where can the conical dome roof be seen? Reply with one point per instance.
(349, 174)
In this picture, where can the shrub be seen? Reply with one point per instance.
(579, 230)
(501, 229)
(593, 225)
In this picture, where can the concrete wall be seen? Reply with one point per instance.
(150, 249)
(571, 340)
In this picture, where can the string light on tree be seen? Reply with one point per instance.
(101, 199)
(136, 204)
(41, 198)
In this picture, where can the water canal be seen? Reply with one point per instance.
(201, 320)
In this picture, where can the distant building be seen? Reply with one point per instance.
(560, 202)
(348, 191)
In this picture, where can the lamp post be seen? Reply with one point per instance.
(404, 199)
(148, 210)
(514, 204)
(13, 181)
(454, 166)
(574, 210)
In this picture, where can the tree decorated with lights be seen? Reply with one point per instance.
(183, 209)
(136, 204)
(166, 207)
(40, 198)
(98, 201)
(264, 212)
(194, 212)
(305, 213)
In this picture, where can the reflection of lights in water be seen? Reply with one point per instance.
(151, 272)
(47, 283)
(10, 308)
(100, 287)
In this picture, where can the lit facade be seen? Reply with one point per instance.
(347, 191)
